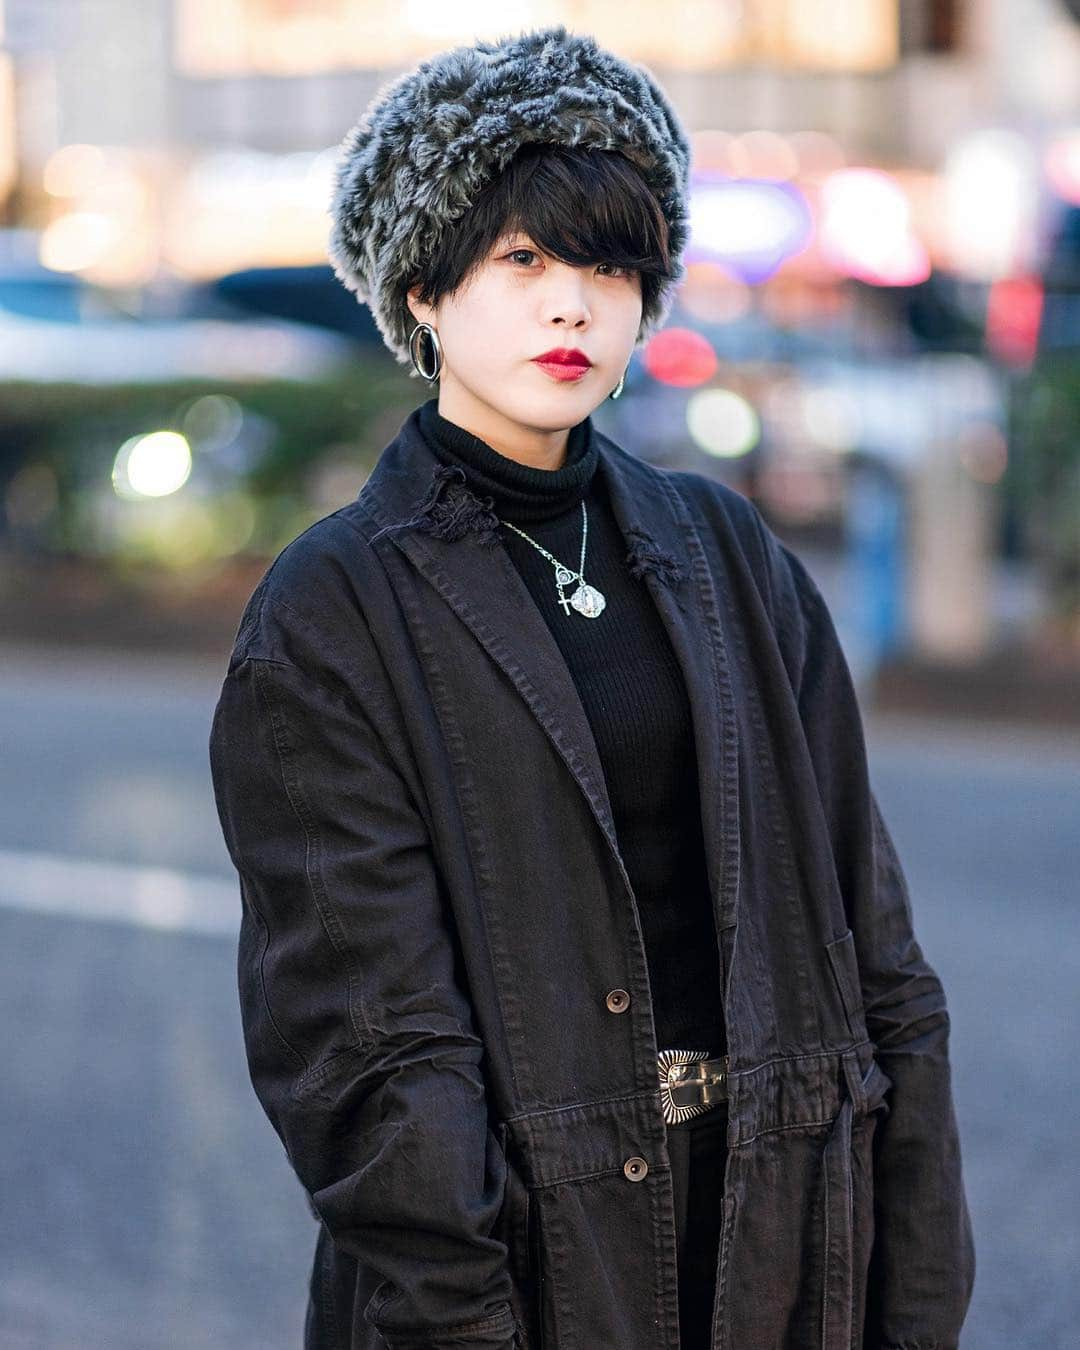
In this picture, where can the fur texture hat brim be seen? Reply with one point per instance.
(432, 138)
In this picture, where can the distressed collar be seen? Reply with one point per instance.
(447, 508)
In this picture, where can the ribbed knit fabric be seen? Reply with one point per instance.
(634, 695)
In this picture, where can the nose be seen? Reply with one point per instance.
(566, 301)
(573, 314)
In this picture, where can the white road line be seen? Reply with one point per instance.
(150, 897)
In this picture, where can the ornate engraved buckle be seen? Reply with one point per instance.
(690, 1083)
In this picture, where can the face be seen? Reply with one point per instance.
(519, 304)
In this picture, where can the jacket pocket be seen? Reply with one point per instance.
(844, 964)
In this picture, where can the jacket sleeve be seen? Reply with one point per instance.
(360, 1045)
(922, 1268)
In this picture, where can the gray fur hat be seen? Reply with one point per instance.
(432, 138)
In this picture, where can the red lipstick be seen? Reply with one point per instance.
(563, 363)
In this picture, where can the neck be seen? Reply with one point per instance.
(519, 491)
(532, 446)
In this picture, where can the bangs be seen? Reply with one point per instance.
(585, 206)
(581, 205)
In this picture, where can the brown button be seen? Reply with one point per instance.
(635, 1168)
(618, 1000)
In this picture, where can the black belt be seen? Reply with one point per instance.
(691, 1083)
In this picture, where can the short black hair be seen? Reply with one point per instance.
(577, 203)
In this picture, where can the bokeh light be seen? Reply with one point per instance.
(866, 231)
(989, 198)
(154, 465)
(1062, 162)
(749, 225)
(680, 357)
(722, 423)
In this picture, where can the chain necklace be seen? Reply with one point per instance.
(587, 600)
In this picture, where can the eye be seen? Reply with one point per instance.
(531, 253)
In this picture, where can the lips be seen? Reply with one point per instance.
(563, 364)
(562, 373)
(564, 356)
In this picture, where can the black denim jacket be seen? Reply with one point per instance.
(443, 987)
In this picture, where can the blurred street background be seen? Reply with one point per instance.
(878, 340)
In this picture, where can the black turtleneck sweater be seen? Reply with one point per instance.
(634, 695)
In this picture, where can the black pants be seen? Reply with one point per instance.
(698, 1152)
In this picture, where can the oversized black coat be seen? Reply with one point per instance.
(443, 987)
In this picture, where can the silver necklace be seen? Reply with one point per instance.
(587, 600)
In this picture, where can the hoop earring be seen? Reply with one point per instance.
(436, 347)
(619, 387)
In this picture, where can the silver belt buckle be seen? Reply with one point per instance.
(691, 1083)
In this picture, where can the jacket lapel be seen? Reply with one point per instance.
(484, 588)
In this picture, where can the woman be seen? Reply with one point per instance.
(577, 967)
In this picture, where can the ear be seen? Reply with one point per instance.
(421, 313)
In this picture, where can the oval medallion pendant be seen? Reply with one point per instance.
(587, 600)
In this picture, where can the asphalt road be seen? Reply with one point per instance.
(147, 1203)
